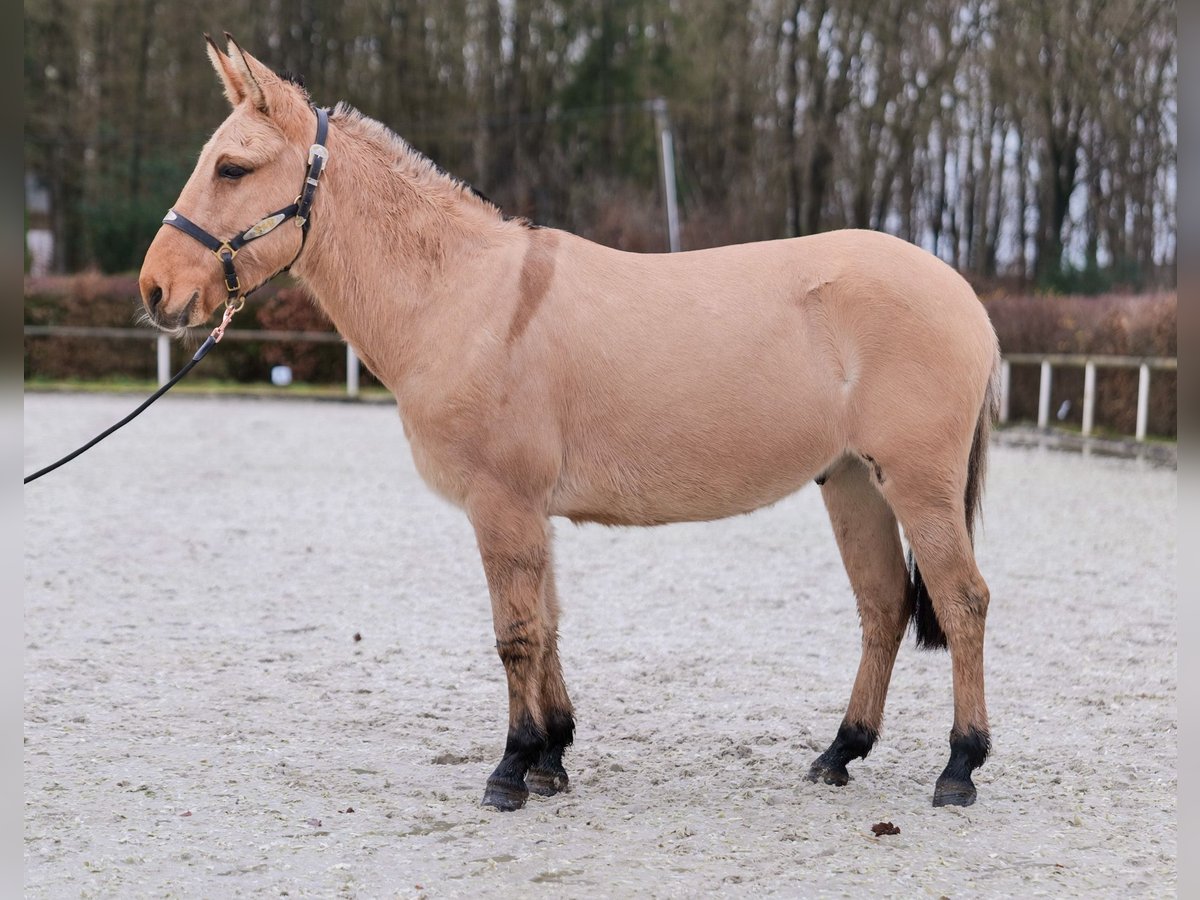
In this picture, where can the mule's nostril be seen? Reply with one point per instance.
(155, 298)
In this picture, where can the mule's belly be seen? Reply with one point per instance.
(693, 461)
(646, 502)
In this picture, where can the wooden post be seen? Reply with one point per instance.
(1143, 407)
(1005, 388)
(1044, 396)
(351, 372)
(164, 359)
(1089, 397)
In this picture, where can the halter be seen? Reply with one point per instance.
(225, 251)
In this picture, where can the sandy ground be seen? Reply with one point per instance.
(199, 720)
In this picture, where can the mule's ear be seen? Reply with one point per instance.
(229, 78)
(256, 78)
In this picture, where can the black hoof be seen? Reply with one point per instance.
(968, 750)
(546, 782)
(505, 795)
(953, 792)
(830, 773)
(852, 742)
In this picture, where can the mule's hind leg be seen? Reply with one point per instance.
(514, 543)
(934, 519)
(547, 776)
(869, 540)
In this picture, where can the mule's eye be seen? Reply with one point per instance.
(232, 171)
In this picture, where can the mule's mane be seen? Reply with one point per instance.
(411, 161)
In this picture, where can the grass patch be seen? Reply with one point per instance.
(206, 386)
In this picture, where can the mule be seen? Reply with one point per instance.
(538, 374)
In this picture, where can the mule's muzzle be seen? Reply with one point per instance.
(157, 302)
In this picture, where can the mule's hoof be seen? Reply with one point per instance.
(828, 773)
(546, 782)
(505, 796)
(953, 792)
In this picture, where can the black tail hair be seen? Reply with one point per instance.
(925, 622)
(928, 629)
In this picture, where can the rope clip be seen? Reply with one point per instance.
(232, 305)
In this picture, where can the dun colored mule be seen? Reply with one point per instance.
(539, 374)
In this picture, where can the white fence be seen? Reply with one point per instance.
(1089, 364)
(1047, 362)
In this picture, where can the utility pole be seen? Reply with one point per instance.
(667, 168)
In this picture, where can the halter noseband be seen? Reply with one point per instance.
(299, 210)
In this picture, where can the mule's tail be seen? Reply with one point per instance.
(928, 629)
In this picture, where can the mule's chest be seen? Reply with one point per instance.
(439, 461)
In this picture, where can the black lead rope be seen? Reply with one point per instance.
(225, 251)
(204, 348)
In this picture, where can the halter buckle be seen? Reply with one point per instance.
(225, 253)
(318, 150)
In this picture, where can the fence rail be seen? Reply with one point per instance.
(163, 343)
(1046, 361)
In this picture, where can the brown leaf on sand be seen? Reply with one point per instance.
(881, 828)
(357, 637)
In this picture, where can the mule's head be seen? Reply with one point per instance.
(253, 165)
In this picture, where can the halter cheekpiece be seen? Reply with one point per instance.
(299, 210)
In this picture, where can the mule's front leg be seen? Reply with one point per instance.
(514, 544)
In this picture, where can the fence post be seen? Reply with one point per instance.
(1044, 396)
(667, 167)
(1005, 388)
(1143, 407)
(164, 359)
(1089, 397)
(351, 372)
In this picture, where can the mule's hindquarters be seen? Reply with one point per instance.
(928, 477)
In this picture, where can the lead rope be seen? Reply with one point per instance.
(211, 341)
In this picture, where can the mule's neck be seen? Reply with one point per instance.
(388, 228)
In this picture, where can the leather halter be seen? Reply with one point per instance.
(225, 251)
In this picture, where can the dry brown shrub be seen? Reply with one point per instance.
(1134, 325)
(292, 309)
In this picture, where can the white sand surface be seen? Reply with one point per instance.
(199, 720)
